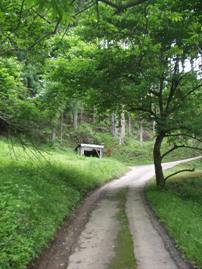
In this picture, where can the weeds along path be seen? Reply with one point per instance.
(112, 227)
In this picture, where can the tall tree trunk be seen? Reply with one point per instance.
(141, 132)
(53, 134)
(154, 127)
(113, 124)
(160, 181)
(122, 129)
(61, 127)
(129, 125)
(81, 114)
(183, 65)
(192, 65)
(75, 118)
(94, 114)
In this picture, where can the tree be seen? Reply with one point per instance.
(38, 21)
(19, 113)
(147, 75)
(129, 54)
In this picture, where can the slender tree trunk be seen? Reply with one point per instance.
(61, 127)
(117, 123)
(53, 135)
(160, 181)
(183, 65)
(141, 132)
(81, 114)
(94, 114)
(154, 127)
(75, 119)
(192, 65)
(113, 124)
(122, 129)
(129, 125)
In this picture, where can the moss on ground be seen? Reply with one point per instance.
(124, 250)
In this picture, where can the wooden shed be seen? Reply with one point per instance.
(90, 150)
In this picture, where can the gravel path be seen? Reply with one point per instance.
(94, 248)
(95, 245)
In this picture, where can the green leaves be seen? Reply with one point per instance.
(60, 9)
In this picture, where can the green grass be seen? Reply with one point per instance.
(132, 152)
(37, 192)
(124, 250)
(179, 208)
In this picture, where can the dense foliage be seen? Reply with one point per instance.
(77, 70)
(59, 59)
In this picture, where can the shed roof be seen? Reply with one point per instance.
(91, 146)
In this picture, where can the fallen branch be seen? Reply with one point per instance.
(180, 171)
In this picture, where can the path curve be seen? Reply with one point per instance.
(95, 248)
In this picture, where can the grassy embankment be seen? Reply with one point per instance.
(179, 208)
(36, 195)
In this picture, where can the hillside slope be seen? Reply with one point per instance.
(37, 191)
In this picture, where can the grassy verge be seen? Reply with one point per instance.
(37, 192)
(179, 208)
(124, 255)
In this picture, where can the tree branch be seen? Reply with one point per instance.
(185, 135)
(169, 151)
(161, 96)
(20, 16)
(142, 109)
(182, 99)
(42, 17)
(178, 128)
(84, 9)
(191, 91)
(154, 93)
(133, 3)
(174, 85)
(177, 147)
(180, 171)
(121, 7)
(109, 3)
(54, 31)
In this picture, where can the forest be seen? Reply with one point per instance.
(61, 59)
(123, 73)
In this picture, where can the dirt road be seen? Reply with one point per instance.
(95, 246)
